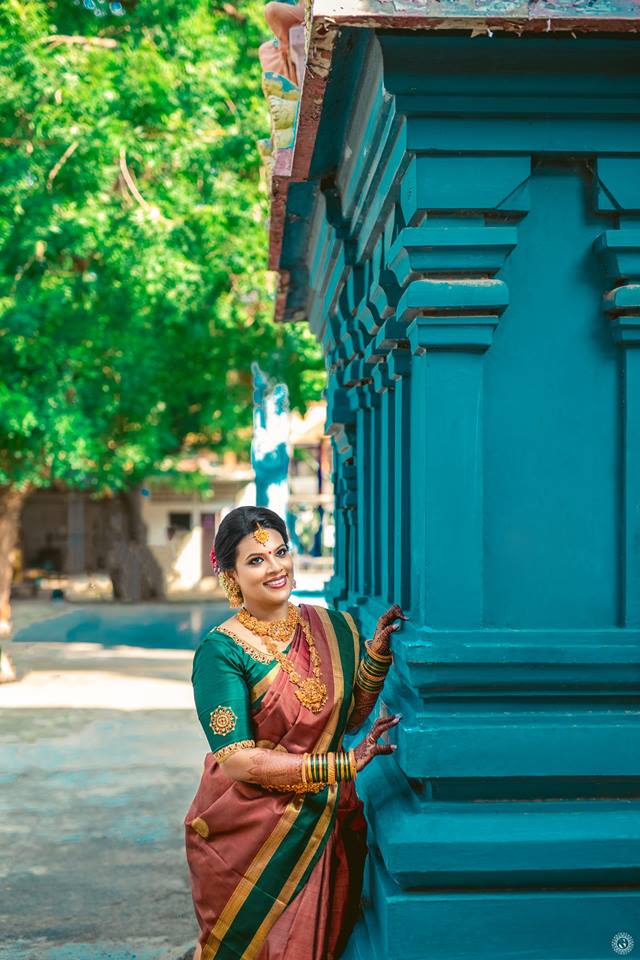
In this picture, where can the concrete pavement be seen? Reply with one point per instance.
(100, 756)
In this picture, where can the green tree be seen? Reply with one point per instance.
(133, 285)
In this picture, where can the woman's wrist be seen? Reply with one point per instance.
(328, 767)
(372, 670)
(308, 773)
(379, 650)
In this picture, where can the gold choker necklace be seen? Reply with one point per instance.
(312, 691)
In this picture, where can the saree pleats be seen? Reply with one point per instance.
(305, 931)
(254, 852)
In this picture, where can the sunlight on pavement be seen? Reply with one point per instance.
(96, 690)
(101, 950)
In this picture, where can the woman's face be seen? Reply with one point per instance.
(264, 571)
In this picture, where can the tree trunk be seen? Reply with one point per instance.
(11, 500)
(135, 573)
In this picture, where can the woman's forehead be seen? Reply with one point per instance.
(249, 544)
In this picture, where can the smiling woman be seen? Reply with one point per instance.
(275, 836)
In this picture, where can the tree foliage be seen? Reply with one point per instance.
(133, 285)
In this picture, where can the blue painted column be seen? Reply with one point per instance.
(446, 494)
(466, 246)
(364, 431)
(619, 186)
(402, 516)
(385, 468)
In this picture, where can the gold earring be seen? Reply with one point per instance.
(232, 590)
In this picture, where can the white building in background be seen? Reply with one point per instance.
(181, 527)
(65, 534)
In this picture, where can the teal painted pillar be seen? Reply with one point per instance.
(402, 520)
(384, 466)
(446, 495)
(462, 233)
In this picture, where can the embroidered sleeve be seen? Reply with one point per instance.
(221, 697)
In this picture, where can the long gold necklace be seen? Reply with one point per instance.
(312, 691)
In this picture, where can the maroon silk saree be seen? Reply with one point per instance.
(278, 875)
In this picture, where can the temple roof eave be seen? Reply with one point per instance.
(329, 17)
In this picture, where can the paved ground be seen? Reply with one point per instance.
(99, 759)
(100, 756)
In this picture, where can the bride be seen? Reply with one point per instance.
(275, 835)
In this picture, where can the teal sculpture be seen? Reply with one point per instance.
(270, 448)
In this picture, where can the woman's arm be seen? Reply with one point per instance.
(272, 768)
(280, 770)
(222, 702)
(373, 668)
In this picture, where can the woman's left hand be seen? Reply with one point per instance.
(381, 642)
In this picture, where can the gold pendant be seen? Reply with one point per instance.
(312, 694)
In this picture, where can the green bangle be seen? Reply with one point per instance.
(383, 657)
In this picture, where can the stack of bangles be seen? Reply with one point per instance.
(328, 768)
(373, 669)
(319, 770)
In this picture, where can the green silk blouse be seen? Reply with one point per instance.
(226, 677)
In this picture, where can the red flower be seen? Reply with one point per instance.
(214, 562)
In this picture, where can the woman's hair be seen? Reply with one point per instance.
(238, 524)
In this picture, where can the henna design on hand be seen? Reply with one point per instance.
(275, 768)
(385, 627)
(369, 748)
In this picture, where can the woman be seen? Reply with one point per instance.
(275, 836)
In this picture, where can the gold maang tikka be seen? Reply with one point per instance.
(260, 534)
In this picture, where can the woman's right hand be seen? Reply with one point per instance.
(369, 748)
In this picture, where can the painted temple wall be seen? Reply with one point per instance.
(467, 250)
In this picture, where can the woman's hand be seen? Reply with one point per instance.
(381, 642)
(368, 748)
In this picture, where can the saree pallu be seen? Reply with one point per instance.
(273, 874)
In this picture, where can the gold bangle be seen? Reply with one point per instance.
(331, 779)
(353, 764)
(303, 772)
(382, 657)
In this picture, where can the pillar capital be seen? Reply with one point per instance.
(451, 333)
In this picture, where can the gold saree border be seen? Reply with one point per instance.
(263, 685)
(338, 681)
(356, 637)
(291, 812)
(287, 891)
(356, 659)
(256, 867)
(323, 743)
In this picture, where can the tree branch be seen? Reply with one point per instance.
(129, 181)
(55, 169)
(56, 39)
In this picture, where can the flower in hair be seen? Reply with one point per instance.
(214, 562)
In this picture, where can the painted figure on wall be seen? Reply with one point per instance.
(282, 62)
